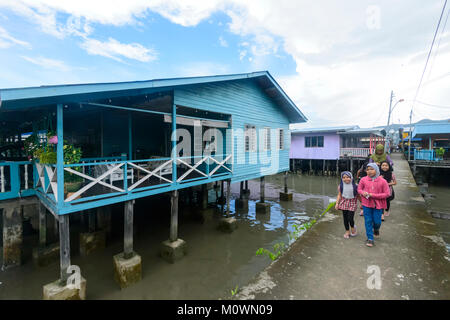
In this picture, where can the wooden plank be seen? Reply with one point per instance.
(174, 216)
(64, 247)
(128, 229)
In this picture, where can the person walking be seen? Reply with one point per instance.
(347, 201)
(387, 173)
(379, 156)
(373, 190)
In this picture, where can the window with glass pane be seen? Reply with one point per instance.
(320, 141)
(307, 142)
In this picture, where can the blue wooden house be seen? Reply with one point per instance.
(141, 138)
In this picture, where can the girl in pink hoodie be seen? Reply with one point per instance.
(373, 190)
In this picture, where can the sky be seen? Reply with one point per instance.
(337, 60)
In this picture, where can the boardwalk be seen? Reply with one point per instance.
(410, 253)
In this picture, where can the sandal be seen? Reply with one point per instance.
(386, 213)
(369, 243)
(346, 236)
(353, 234)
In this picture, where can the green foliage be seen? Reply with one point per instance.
(233, 292)
(440, 152)
(278, 250)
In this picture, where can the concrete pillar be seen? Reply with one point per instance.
(174, 248)
(228, 224)
(104, 220)
(12, 236)
(262, 206)
(44, 255)
(241, 204)
(285, 196)
(71, 285)
(93, 240)
(128, 264)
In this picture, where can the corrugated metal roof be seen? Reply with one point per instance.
(431, 128)
(15, 98)
(325, 129)
(379, 132)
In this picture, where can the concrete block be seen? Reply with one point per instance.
(44, 256)
(285, 196)
(172, 251)
(262, 207)
(92, 241)
(241, 204)
(227, 224)
(127, 271)
(56, 291)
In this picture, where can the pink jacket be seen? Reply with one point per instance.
(379, 189)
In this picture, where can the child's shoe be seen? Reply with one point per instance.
(386, 213)
(369, 243)
(346, 235)
(376, 233)
(353, 234)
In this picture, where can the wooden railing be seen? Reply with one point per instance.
(16, 179)
(355, 152)
(99, 179)
(427, 155)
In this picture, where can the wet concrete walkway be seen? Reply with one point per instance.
(410, 254)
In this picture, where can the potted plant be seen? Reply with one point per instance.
(72, 182)
(440, 153)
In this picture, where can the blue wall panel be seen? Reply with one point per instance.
(247, 103)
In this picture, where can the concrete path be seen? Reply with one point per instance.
(410, 254)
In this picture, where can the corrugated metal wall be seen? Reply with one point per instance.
(247, 103)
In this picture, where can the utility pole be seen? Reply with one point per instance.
(410, 134)
(387, 126)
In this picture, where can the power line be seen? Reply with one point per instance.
(433, 105)
(429, 53)
(438, 46)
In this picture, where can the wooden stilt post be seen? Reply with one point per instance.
(91, 221)
(64, 247)
(310, 166)
(228, 196)
(262, 188)
(351, 165)
(337, 167)
(241, 190)
(128, 229)
(42, 225)
(174, 216)
(323, 167)
(285, 182)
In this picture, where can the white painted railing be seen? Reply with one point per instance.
(355, 152)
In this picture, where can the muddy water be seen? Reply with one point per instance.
(440, 201)
(216, 262)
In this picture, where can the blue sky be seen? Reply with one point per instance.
(337, 60)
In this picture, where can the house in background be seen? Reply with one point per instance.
(432, 136)
(330, 149)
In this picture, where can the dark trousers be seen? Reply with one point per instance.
(348, 219)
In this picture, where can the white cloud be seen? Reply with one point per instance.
(6, 40)
(344, 69)
(48, 63)
(115, 50)
(223, 42)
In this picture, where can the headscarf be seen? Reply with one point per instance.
(377, 170)
(387, 175)
(347, 189)
(379, 157)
